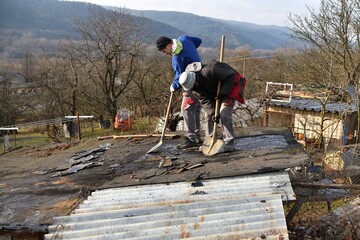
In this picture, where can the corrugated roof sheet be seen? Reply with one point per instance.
(313, 105)
(231, 208)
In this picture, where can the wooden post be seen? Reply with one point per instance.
(78, 123)
(298, 203)
(92, 128)
(265, 115)
(15, 138)
(244, 66)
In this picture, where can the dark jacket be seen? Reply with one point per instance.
(207, 80)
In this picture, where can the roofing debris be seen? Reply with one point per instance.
(83, 159)
(331, 194)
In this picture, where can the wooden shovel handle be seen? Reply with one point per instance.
(217, 103)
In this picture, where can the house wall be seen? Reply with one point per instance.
(310, 121)
(305, 123)
(279, 117)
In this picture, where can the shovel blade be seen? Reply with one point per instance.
(155, 148)
(210, 148)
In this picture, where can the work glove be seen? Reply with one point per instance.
(215, 119)
(188, 103)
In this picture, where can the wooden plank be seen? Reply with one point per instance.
(323, 186)
(137, 136)
(104, 137)
(144, 136)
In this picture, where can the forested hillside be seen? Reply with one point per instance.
(50, 19)
(24, 21)
(237, 33)
(53, 19)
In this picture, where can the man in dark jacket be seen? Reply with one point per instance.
(202, 79)
(184, 51)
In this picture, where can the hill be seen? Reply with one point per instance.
(21, 21)
(238, 34)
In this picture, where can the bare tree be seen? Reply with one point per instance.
(112, 41)
(73, 64)
(333, 36)
(151, 82)
(10, 109)
(52, 78)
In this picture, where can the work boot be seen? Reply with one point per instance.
(199, 141)
(229, 146)
(186, 144)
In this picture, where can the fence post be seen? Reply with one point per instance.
(92, 128)
(78, 123)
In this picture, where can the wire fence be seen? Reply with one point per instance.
(68, 128)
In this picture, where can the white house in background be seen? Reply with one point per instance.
(307, 118)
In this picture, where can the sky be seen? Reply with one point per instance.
(264, 12)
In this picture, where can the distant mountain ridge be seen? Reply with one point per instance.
(54, 19)
(238, 34)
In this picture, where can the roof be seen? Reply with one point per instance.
(40, 184)
(246, 207)
(311, 104)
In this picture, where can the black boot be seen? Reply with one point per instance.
(199, 141)
(186, 144)
(229, 146)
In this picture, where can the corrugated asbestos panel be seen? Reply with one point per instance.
(247, 207)
(313, 105)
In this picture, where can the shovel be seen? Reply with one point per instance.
(154, 149)
(214, 147)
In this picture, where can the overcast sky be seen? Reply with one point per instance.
(265, 12)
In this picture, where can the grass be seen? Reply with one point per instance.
(312, 211)
(35, 136)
